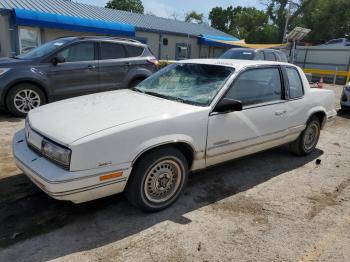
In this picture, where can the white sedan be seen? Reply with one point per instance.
(189, 116)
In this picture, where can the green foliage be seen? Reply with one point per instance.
(134, 6)
(245, 23)
(327, 19)
(194, 17)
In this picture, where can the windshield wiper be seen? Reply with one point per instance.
(156, 94)
(177, 99)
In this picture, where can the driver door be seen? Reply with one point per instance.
(260, 125)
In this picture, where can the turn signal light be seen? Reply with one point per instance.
(111, 176)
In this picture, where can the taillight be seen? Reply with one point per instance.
(153, 61)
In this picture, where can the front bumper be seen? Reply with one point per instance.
(77, 186)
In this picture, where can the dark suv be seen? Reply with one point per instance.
(72, 66)
(255, 54)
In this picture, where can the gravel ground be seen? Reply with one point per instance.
(271, 206)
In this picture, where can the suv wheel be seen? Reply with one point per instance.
(158, 179)
(135, 82)
(23, 98)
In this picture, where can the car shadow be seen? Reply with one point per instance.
(344, 113)
(26, 212)
(7, 117)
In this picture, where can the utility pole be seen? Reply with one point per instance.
(287, 21)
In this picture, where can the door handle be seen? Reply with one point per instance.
(91, 67)
(127, 64)
(280, 112)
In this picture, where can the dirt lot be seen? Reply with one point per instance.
(272, 206)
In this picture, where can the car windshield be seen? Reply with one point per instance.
(44, 49)
(238, 54)
(195, 84)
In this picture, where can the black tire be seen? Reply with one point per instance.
(146, 168)
(31, 91)
(135, 82)
(300, 147)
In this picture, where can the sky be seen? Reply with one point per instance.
(166, 8)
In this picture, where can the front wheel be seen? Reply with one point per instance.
(158, 179)
(23, 98)
(308, 139)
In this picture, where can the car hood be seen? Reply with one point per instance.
(9, 62)
(69, 120)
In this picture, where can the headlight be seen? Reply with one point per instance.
(56, 153)
(3, 70)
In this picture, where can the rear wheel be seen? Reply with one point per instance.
(23, 98)
(308, 139)
(158, 179)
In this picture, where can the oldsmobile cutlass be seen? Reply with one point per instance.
(186, 117)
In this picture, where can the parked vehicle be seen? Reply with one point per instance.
(345, 97)
(339, 42)
(186, 117)
(72, 66)
(255, 54)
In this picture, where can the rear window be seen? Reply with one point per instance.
(270, 56)
(238, 54)
(134, 51)
(295, 85)
(112, 51)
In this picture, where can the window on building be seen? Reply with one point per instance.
(257, 86)
(112, 51)
(183, 51)
(295, 84)
(29, 38)
(204, 52)
(79, 52)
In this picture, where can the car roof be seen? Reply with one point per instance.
(235, 63)
(105, 38)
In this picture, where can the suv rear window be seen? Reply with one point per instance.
(134, 51)
(112, 51)
(270, 56)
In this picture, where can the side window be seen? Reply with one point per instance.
(112, 51)
(134, 51)
(257, 86)
(295, 84)
(270, 56)
(79, 52)
(259, 56)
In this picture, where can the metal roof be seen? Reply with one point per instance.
(140, 21)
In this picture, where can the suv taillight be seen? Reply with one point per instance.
(153, 61)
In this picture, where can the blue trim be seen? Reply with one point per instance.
(47, 20)
(210, 40)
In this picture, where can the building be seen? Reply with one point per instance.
(25, 24)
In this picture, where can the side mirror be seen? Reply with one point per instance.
(58, 60)
(227, 105)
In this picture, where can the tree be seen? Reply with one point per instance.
(134, 6)
(194, 17)
(327, 19)
(245, 23)
(278, 10)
